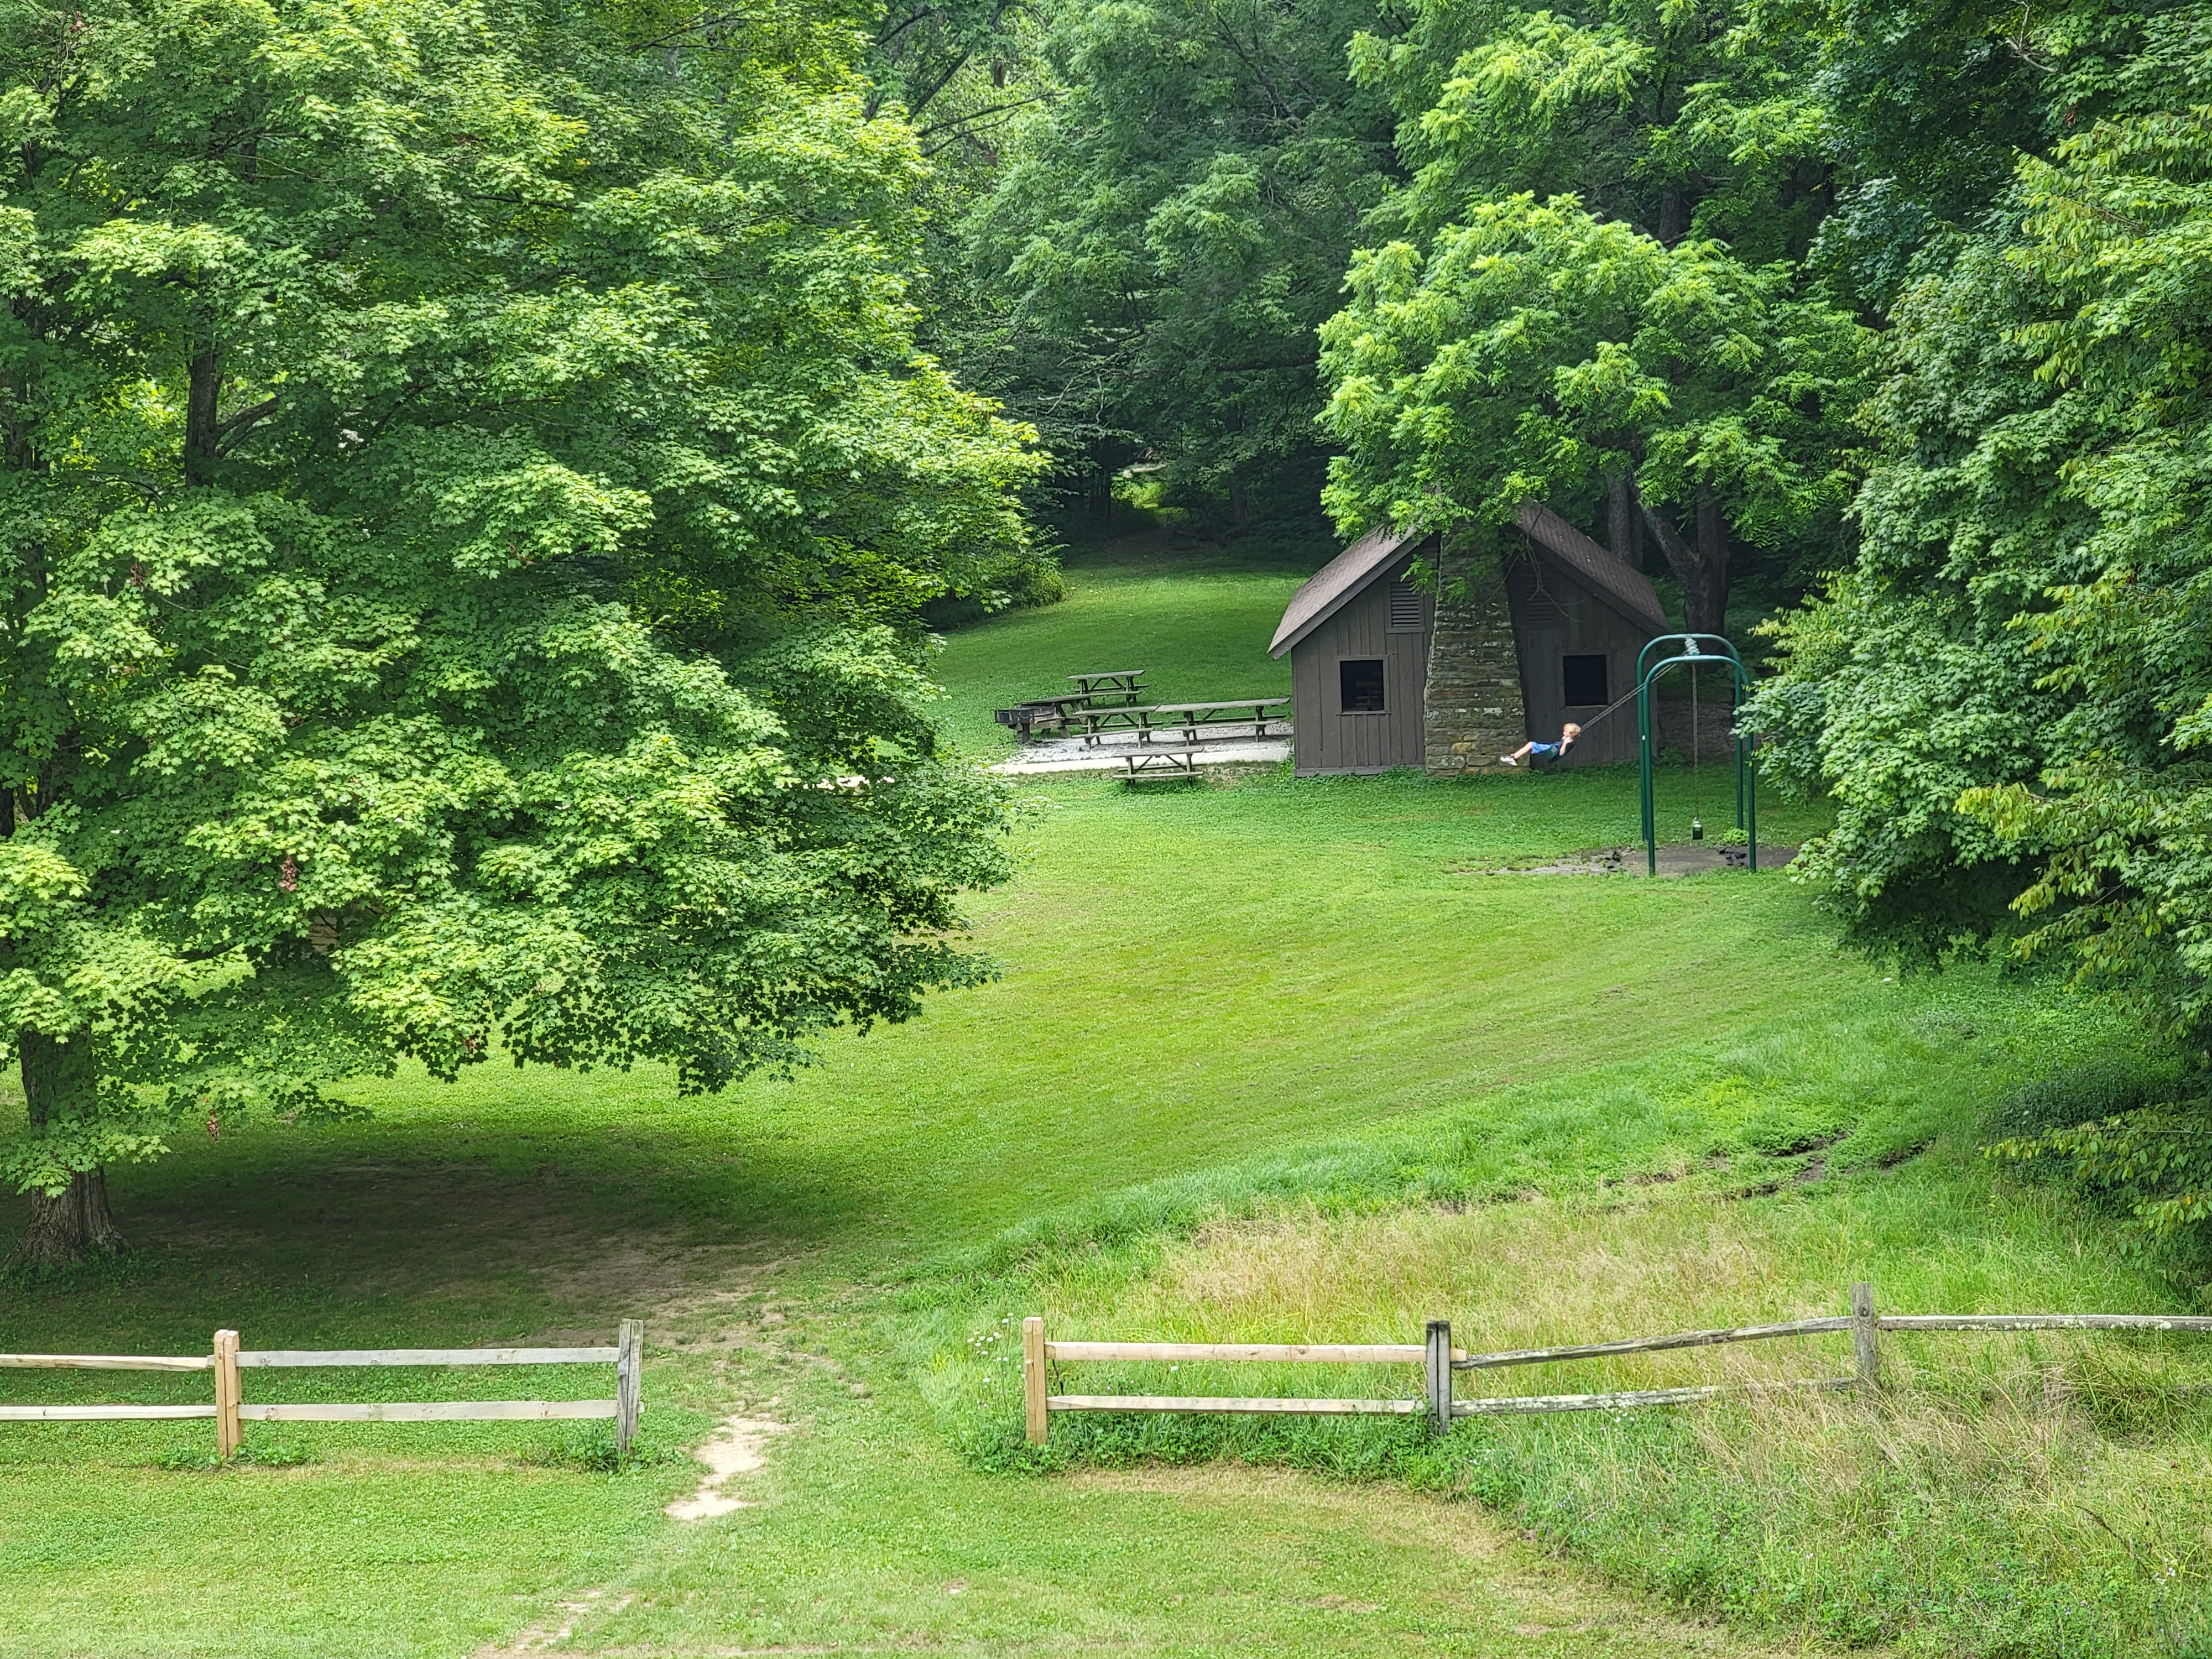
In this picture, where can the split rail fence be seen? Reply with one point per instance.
(231, 1410)
(1439, 1359)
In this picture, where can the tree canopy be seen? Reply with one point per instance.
(2019, 617)
(1539, 350)
(1593, 289)
(461, 465)
(1152, 260)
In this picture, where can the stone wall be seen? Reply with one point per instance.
(1473, 712)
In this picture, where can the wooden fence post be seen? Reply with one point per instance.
(1037, 1419)
(1436, 1363)
(1866, 1337)
(630, 1364)
(227, 1436)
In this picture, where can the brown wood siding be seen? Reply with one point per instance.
(1560, 617)
(1328, 740)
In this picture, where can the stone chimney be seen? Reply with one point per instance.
(1473, 712)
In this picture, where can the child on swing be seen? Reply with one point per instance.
(1534, 750)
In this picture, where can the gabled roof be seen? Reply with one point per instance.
(1629, 589)
(1346, 575)
(1340, 580)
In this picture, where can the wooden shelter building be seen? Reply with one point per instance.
(1383, 675)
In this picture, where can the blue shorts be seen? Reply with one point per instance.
(1543, 751)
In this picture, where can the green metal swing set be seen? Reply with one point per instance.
(1695, 650)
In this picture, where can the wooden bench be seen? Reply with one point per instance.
(1196, 714)
(1094, 722)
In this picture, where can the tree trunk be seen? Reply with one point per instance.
(1101, 488)
(1713, 560)
(202, 402)
(1702, 570)
(1623, 524)
(1240, 509)
(58, 1081)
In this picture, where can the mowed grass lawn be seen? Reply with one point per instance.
(1293, 1058)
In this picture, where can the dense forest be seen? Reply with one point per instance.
(477, 472)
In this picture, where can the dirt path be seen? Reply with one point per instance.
(739, 1447)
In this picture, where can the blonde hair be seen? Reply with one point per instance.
(1570, 730)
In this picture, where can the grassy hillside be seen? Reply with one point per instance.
(1284, 1060)
(1197, 621)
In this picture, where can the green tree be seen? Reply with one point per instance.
(457, 465)
(1538, 350)
(1685, 381)
(1926, 107)
(2009, 692)
(2033, 368)
(1681, 118)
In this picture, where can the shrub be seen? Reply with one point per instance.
(2107, 1087)
(2137, 1133)
(1023, 580)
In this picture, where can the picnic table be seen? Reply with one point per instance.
(1159, 765)
(1116, 688)
(1119, 682)
(1183, 718)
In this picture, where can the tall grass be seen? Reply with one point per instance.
(2037, 1494)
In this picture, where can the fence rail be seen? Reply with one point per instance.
(1330, 1353)
(107, 1362)
(99, 1413)
(230, 1409)
(302, 1358)
(1439, 1359)
(1649, 1344)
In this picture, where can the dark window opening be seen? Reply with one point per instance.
(1360, 681)
(1405, 605)
(1585, 679)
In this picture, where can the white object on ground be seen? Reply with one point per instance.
(1073, 755)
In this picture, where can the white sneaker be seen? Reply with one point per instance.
(1509, 760)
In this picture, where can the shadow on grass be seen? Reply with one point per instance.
(379, 1235)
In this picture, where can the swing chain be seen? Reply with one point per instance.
(1697, 767)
